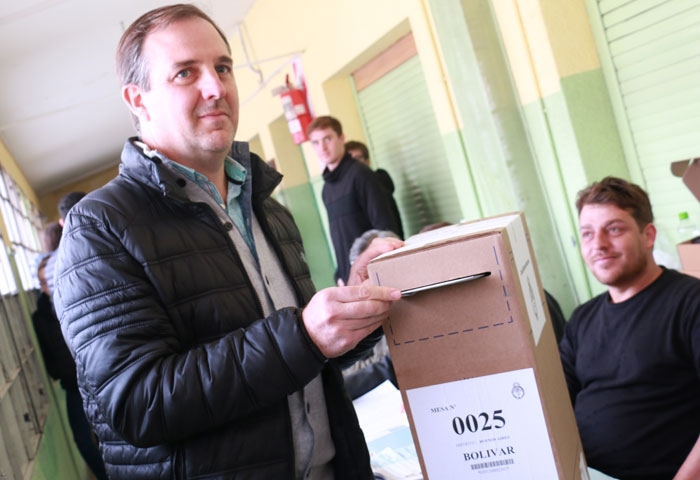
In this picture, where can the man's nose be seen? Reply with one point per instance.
(211, 85)
(600, 239)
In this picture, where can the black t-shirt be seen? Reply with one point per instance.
(633, 371)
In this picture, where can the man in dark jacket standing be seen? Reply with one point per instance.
(180, 287)
(354, 197)
(360, 152)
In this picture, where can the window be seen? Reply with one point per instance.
(23, 396)
(23, 223)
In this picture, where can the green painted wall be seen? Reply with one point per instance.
(58, 458)
(593, 123)
(301, 202)
(504, 167)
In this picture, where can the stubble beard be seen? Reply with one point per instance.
(626, 275)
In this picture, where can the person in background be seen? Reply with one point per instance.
(359, 152)
(65, 203)
(377, 367)
(58, 359)
(202, 348)
(355, 200)
(631, 355)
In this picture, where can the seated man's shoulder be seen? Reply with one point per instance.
(680, 283)
(582, 314)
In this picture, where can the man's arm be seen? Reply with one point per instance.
(567, 352)
(690, 469)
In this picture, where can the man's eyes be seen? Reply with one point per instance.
(220, 69)
(587, 234)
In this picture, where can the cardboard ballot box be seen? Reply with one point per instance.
(475, 355)
(688, 251)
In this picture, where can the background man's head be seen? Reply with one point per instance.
(358, 151)
(67, 202)
(326, 136)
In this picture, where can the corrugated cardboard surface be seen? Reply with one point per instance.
(476, 328)
(692, 273)
(689, 254)
(691, 177)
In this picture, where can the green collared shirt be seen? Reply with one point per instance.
(236, 175)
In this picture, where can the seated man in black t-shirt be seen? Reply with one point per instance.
(631, 355)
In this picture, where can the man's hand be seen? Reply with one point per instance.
(337, 318)
(358, 271)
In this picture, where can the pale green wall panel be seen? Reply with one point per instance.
(496, 137)
(558, 182)
(650, 61)
(58, 457)
(456, 157)
(592, 119)
(302, 203)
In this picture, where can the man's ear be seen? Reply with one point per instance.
(132, 96)
(650, 233)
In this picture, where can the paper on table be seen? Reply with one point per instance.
(385, 425)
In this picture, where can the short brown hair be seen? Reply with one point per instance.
(131, 65)
(355, 145)
(621, 193)
(323, 122)
(67, 202)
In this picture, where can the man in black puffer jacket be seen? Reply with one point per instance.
(180, 287)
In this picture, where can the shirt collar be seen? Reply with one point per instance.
(235, 172)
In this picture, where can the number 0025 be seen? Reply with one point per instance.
(482, 421)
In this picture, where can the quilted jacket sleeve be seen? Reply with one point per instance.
(141, 355)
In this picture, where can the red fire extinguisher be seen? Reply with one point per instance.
(296, 111)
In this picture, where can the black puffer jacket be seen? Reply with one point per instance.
(181, 376)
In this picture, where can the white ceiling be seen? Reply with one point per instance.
(61, 116)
